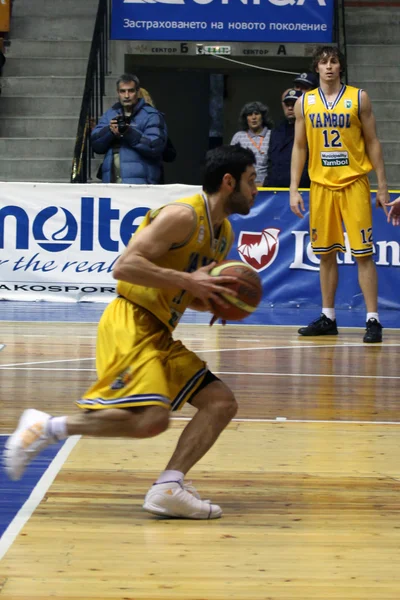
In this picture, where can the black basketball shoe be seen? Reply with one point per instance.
(373, 332)
(321, 326)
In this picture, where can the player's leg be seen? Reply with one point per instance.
(326, 239)
(170, 496)
(36, 430)
(141, 422)
(357, 216)
(368, 280)
(130, 398)
(216, 406)
(328, 277)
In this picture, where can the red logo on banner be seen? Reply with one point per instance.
(259, 250)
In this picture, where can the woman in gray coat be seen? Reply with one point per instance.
(255, 134)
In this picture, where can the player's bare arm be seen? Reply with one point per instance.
(172, 226)
(299, 157)
(374, 150)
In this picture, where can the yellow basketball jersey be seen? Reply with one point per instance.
(337, 154)
(198, 251)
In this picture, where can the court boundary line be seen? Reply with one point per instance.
(205, 324)
(256, 374)
(214, 350)
(37, 495)
(275, 420)
(281, 420)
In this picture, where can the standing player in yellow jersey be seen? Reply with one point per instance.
(142, 372)
(336, 123)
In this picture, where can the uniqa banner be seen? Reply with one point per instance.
(59, 242)
(307, 21)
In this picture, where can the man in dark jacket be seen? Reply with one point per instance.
(132, 135)
(281, 144)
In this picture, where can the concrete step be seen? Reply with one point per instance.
(363, 54)
(20, 126)
(50, 86)
(385, 90)
(33, 169)
(391, 152)
(392, 174)
(61, 8)
(39, 169)
(42, 180)
(30, 147)
(53, 28)
(16, 67)
(389, 131)
(64, 106)
(47, 86)
(377, 25)
(383, 109)
(45, 48)
(370, 72)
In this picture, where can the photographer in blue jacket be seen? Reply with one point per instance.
(132, 135)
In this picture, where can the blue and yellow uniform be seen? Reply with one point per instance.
(137, 360)
(338, 168)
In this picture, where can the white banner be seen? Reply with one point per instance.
(59, 242)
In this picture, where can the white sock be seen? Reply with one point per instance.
(330, 313)
(57, 428)
(373, 316)
(167, 476)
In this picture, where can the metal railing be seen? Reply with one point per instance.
(92, 100)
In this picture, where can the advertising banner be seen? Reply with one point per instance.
(59, 242)
(309, 21)
(277, 244)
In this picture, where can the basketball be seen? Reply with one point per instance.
(248, 287)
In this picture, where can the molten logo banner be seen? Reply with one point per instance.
(58, 243)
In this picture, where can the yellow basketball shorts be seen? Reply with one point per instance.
(330, 210)
(139, 363)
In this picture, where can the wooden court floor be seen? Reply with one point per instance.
(308, 475)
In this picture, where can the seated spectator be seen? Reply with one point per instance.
(132, 135)
(281, 145)
(306, 82)
(255, 131)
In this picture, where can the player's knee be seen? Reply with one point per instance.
(159, 423)
(154, 422)
(226, 405)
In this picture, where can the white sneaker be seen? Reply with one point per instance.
(26, 442)
(174, 499)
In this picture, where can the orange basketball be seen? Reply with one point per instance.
(248, 287)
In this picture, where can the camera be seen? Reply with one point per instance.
(122, 123)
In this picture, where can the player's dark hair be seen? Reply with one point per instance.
(222, 160)
(325, 52)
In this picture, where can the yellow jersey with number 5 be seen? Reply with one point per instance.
(337, 153)
(200, 248)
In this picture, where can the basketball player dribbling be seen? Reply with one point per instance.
(143, 373)
(336, 124)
